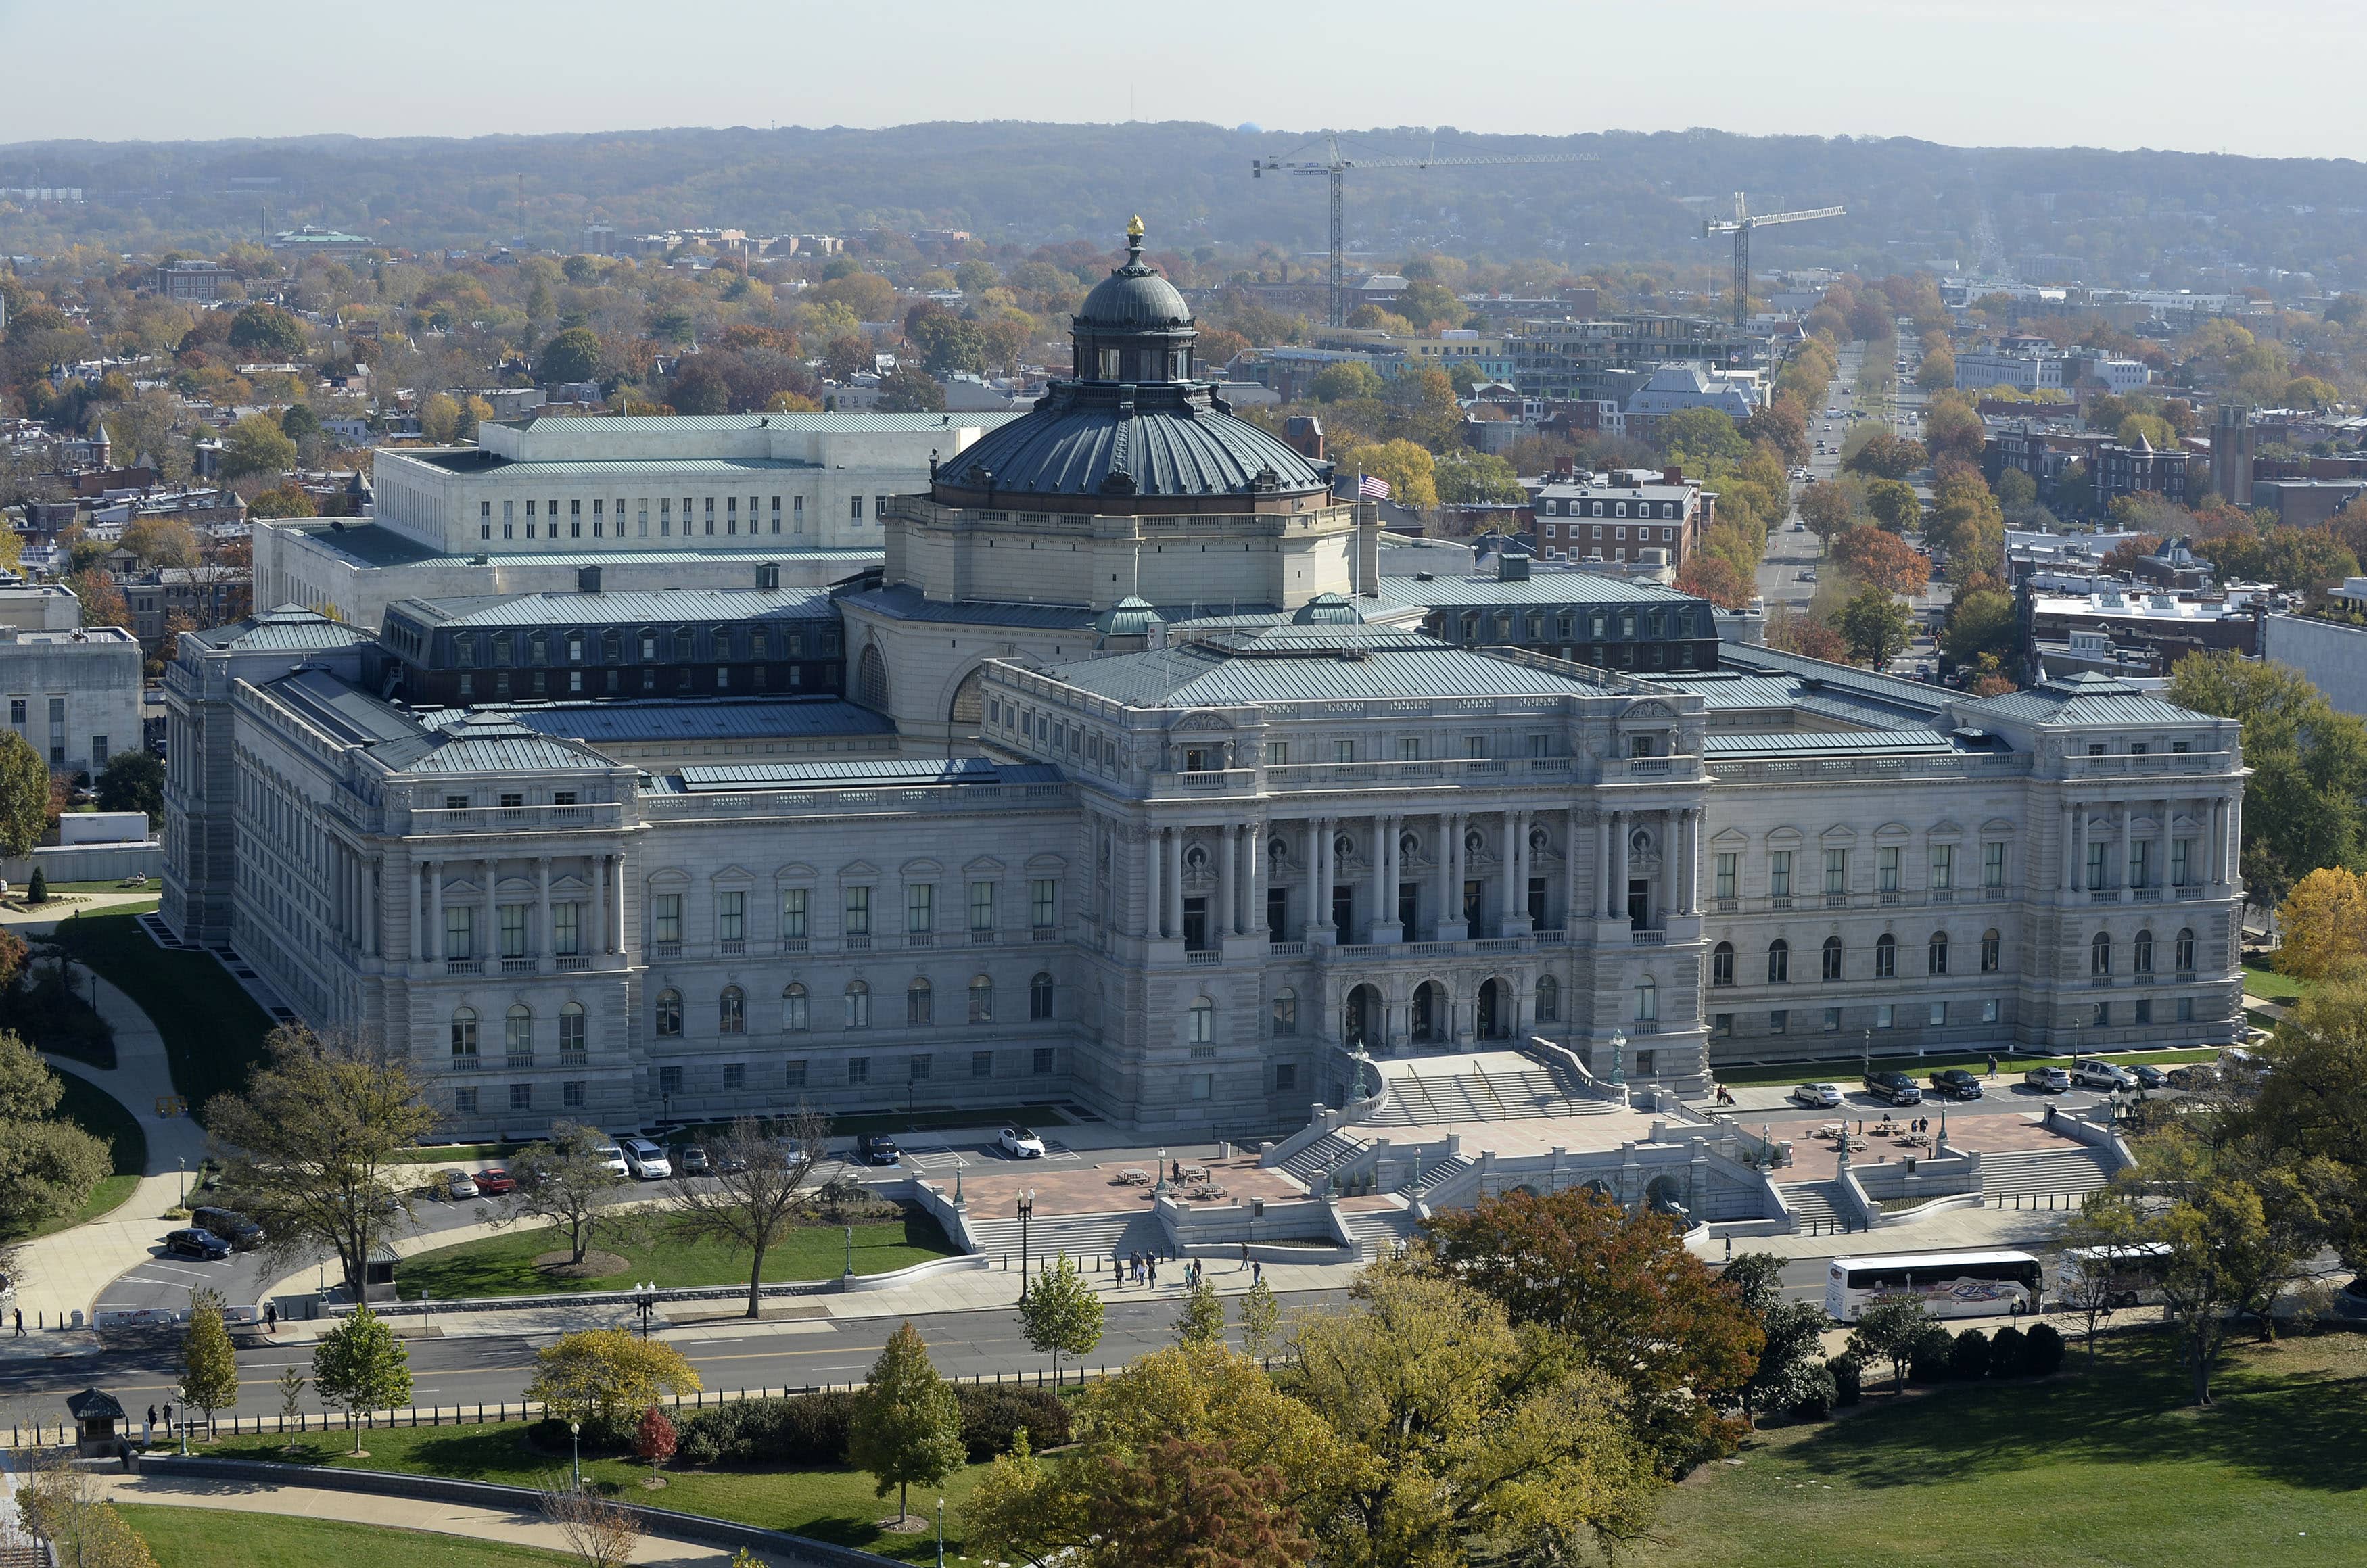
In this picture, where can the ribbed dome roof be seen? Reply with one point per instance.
(1132, 297)
(1163, 440)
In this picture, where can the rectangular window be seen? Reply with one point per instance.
(460, 931)
(464, 1101)
(571, 1094)
(1886, 1016)
(1729, 873)
(793, 913)
(981, 906)
(2186, 1010)
(2182, 856)
(564, 926)
(858, 912)
(1343, 750)
(1885, 870)
(793, 1074)
(858, 1069)
(735, 1076)
(1836, 871)
(513, 916)
(1943, 867)
(730, 917)
(1779, 874)
(1992, 865)
(1722, 1025)
(1833, 1021)
(1779, 1021)
(1992, 1009)
(1041, 909)
(1409, 749)
(920, 908)
(796, 514)
(855, 507)
(920, 1068)
(2096, 865)
(1039, 1063)
(667, 907)
(1939, 1015)
(982, 1063)
(1277, 753)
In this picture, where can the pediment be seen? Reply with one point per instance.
(1733, 839)
(858, 868)
(1999, 828)
(1944, 830)
(733, 874)
(1838, 833)
(1891, 832)
(796, 870)
(984, 866)
(918, 868)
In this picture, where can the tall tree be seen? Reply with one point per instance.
(254, 446)
(565, 1180)
(209, 1363)
(1883, 560)
(1624, 1288)
(2303, 805)
(1186, 1504)
(49, 1168)
(23, 795)
(1061, 1315)
(360, 1367)
(1202, 1319)
(753, 1199)
(1875, 626)
(2324, 919)
(1790, 1366)
(609, 1373)
(308, 1147)
(907, 1424)
(1889, 1329)
(133, 781)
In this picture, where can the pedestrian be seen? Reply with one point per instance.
(1245, 1254)
(1992, 1063)
(1117, 1271)
(168, 1420)
(1154, 1272)
(148, 1427)
(1176, 1172)
(21, 1323)
(271, 1317)
(1257, 1274)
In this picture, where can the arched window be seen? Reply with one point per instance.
(1936, 960)
(916, 1002)
(1286, 1011)
(2099, 955)
(2141, 954)
(1885, 956)
(1548, 999)
(517, 1031)
(1203, 1018)
(1779, 962)
(1832, 958)
(464, 1032)
(1992, 949)
(981, 999)
(2185, 953)
(1647, 999)
(794, 1017)
(570, 1032)
(858, 1005)
(669, 1012)
(1039, 997)
(1721, 965)
(732, 1011)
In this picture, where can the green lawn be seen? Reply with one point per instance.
(2271, 987)
(95, 1112)
(503, 1265)
(211, 1538)
(834, 1504)
(213, 1031)
(2108, 1471)
(456, 1154)
(2009, 1063)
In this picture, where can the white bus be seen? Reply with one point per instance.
(2131, 1275)
(1952, 1284)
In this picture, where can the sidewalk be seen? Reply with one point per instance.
(1949, 1230)
(63, 1273)
(511, 1526)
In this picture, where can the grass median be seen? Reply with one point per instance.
(2113, 1467)
(213, 1031)
(182, 1537)
(98, 1113)
(653, 1247)
(833, 1503)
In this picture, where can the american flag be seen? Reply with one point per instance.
(1372, 487)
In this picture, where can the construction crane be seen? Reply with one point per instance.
(1335, 168)
(1739, 226)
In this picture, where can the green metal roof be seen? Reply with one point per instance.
(288, 628)
(1306, 668)
(1837, 742)
(1572, 588)
(882, 772)
(629, 605)
(2085, 699)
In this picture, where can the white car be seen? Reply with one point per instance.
(1817, 1095)
(1020, 1143)
(646, 1160)
(612, 1157)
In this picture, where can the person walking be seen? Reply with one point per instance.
(1154, 1272)
(1992, 1063)
(148, 1428)
(271, 1317)
(1257, 1274)
(21, 1323)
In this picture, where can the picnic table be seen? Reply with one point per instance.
(1195, 1173)
(1134, 1175)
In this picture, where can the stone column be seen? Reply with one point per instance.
(435, 944)
(488, 926)
(1518, 901)
(2162, 843)
(418, 947)
(2079, 850)
(1176, 883)
(1318, 912)
(1604, 824)
(1153, 850)
(1376, 857)
(1507, 869)
(369, 906)
(2069, 882)
(1621, 823)
(1450, 891)
(1220, 908)
(596, 868)
(539, 942)
(2128, 822)
(1569, 904)
(1253, 921)
(616, 903)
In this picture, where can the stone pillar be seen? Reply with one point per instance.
(1319, 889)
(1605, 822)
(2119, 878)
(539, 941)
(1253, 921)
(1154, 846)
(1569, 901)
(616, 903)
(1508, 871)
(1518, 903)
(369, 906)
(2079, 850)
(2069, 882)
(434, 948)
(1221, 924)
(1377, 859)
(418, 942)
(2162, 843)
(1176, 883)
(488, 924)
(1449, 912)
(1620, 823)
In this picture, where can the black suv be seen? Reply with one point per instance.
(877, 1148)
(1956, 1083)
(231, 1226)
(1896, 1087)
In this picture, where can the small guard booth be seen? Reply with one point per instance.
(96, 1413)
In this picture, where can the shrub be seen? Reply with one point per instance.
(1968, 1358)
(1821, 1393)
(2042, 1351)
(2008, 1351)
(40, 891)
(810, 1428)
(610, 1434)
(993, 1415)
(1929, 1362)
(1846, 1379)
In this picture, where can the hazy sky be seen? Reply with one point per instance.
(2272, 77)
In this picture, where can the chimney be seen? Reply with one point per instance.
(1672, 475)
(587, 579)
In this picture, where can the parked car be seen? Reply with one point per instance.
(2193, 1076)
(456, 1186)
(1817, 1095)
(493, 1181)
(2148, 1076)
(1020, 1143)
(2090, 1073)
(693, 1161)
(877, 1148)
(1896, 1087)
(242, 1234)
(191, 1242)
(1956, 1083)
(646, 1160)
(612, 1157)
(2048, 1080)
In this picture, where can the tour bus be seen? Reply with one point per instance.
(2132, 1274)
(1952, 1284)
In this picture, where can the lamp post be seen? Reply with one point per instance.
(1027, 1213)
(645, 1302)
(576, 1443)
(665, 1111)
(941, 1533)
(850, 1252)
(1618, 1059)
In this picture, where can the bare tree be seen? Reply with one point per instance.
(566, 1181)
(751, 1201)
(599, 1533)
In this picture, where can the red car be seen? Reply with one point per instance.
(495, 1181)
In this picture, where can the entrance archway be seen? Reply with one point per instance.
(1493, 1021)
(1360, 1018)
(1427, 1024)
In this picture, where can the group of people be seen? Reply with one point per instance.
(1142, 1268)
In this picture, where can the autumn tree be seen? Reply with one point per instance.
(566, 1180)
(1895, 505)
(1347, 378)
(103, 603)
(49, 1167)
(1791, 1363)
(1886, 455)
(1406, 466)
(1826, 509)
(1952, 428)
(1883, 560)
(1625, 1289)
(609, 1373)
(23, 795)
(908, 388)
(570, 356)
(2305, 803)
(2324, 919)
(1060, 1313)
(257, 445)
(1717, 580)
(285, 499)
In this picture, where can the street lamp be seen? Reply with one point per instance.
(645, 1301)
(850, 1252)
(1027, 1213)
(184, 1163)
(1618, 1059)
(575, 1442)
(941, 1533)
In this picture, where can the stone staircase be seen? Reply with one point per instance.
(1084, 1238)
(1379, 1227)
(1320, 1156)
(1468, 1093)
(1438, 1174)
(2044, 1172)
(1815, 1204)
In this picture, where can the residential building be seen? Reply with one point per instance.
(1624, 512)
(1978, 370)
(198, 281)
(1606, 360)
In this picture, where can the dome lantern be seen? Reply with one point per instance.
(1134, 327)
